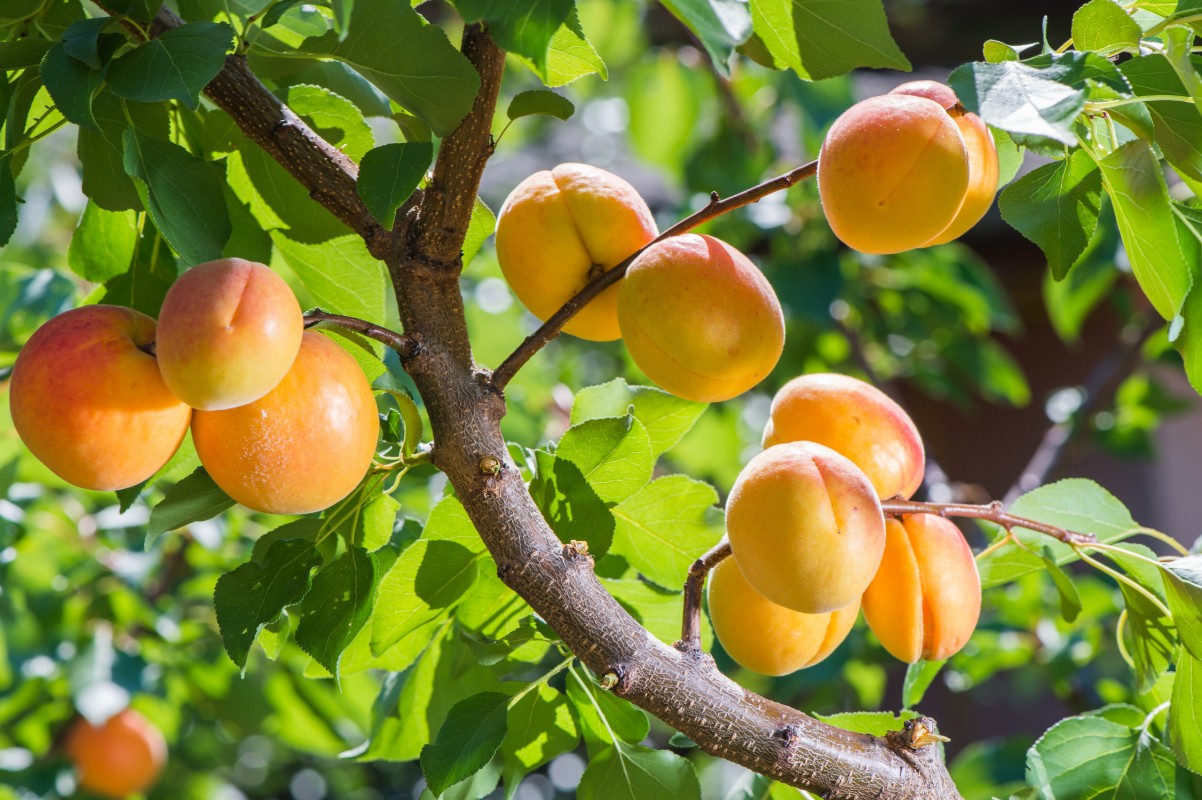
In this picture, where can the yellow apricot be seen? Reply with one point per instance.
(700, 319)
(301, 447)
(228, 332)
(892, 173)
(805, 527)
(561, 227)
(856, 420)
(926, 598)
(767, 638)
(88, 401)
(982, 156)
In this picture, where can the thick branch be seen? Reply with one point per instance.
(404, 345)
(716, 208)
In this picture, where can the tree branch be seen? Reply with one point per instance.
(558, 582)
(404, 345)
(716, 208)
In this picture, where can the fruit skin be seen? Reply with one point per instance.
(700, 319)
(982, 157)
(304, 445)
(228, 332)
(123, 756)
(89, 402)
(805, 527)
(856, 420)
(767, 638)
(925, 600)
(558, 228)
(892, 173)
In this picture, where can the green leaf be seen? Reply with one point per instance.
(720, 26)
(666, 526)
(638, 773)
(81, 41)
(388, 176)
(1133, 179)
(254, 594)
(1185, 715)
(1070, 598)
(522, 28)
(8, 201)
(103, 245)
(1148, 637)
(337, 606)
(1056, 206)
(666, 417)
(22, 53)
(875, 723)
(101, 152)
(823, 40)
(571, 505)
(1183, 585)
(1091, 756)
(278, 201)
(71, 85)
(656, 609)
(540, 101)
(1178, 126)
(145, 284)
(468, 739)
(995, 52)
(1074, 504)
(481, 226)
(1071, 301)
(377, 522)
(176, 65)
(919, 678)
(192, 499)
(540, 726)
(356, 288)
(335, 118)
(1018, 98)
(1104, 27)
(603, 716)
(570, 55)
(666, 100)
(183, 195)
(613, 453)
(427, 76)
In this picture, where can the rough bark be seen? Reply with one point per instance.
(683, 689)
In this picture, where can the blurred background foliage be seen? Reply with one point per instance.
(961, 333)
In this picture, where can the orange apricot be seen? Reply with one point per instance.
(123, 756)
(925, 600)
(856, 420)
(767, 638)
(805, 527)
(228, 332)
(561, 227)
(301, 447)
(892, 173)
(88, 401)
(700, 319)
(982, 156)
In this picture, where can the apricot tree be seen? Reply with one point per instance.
(530, 607)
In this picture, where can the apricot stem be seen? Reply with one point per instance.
(690, 629)
(402, 344)
(714, 209)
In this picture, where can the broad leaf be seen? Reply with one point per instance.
(523, 28)
(192, 499)
(1017, 98)
(876, 723)
(468, 739)
(334, 117)
(919, 678)
(1104, 27)
(571, 505)
(720, 25)
(613, 454)
(71, 84)
(337, 606)
(481, 226)
(101, 152)
(666, 526)
(822, 40)
(356, 288)
(540, 101)
(103, 245)
(540, 726)
(1092, 756)
(176, 65)
(388, 176)
(1183, 585)
(666, 417)
(1185, 715)
(1178, 126)
(638, 773)
(603, 716)
(570, 55)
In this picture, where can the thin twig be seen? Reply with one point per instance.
(690, 628)
(990, 512)
(404, 345)
(716, 208)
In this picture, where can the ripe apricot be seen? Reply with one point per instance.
(228, 332)
(805, 527)
(982, 156)
(892, 173)
(561, 227)
(123, 756)
(301, 447)
(699, 318)
(767, 638)
(856, 420)
(89, 403)
(925, 600)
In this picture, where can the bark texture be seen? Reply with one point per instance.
(682, 688)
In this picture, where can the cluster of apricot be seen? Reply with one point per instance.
(697, 316)
(122, 756)
(283, 419)
(811, 546)
(907, 169)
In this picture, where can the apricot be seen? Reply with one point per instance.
(982, 156)
(925, 600)
(805, 527)
(558, 229)
(228, 332)
(88, 401)
(700, 319)
(123, 756)
(856, 420)
(301, 447)
(767, 638)
(892, 173)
